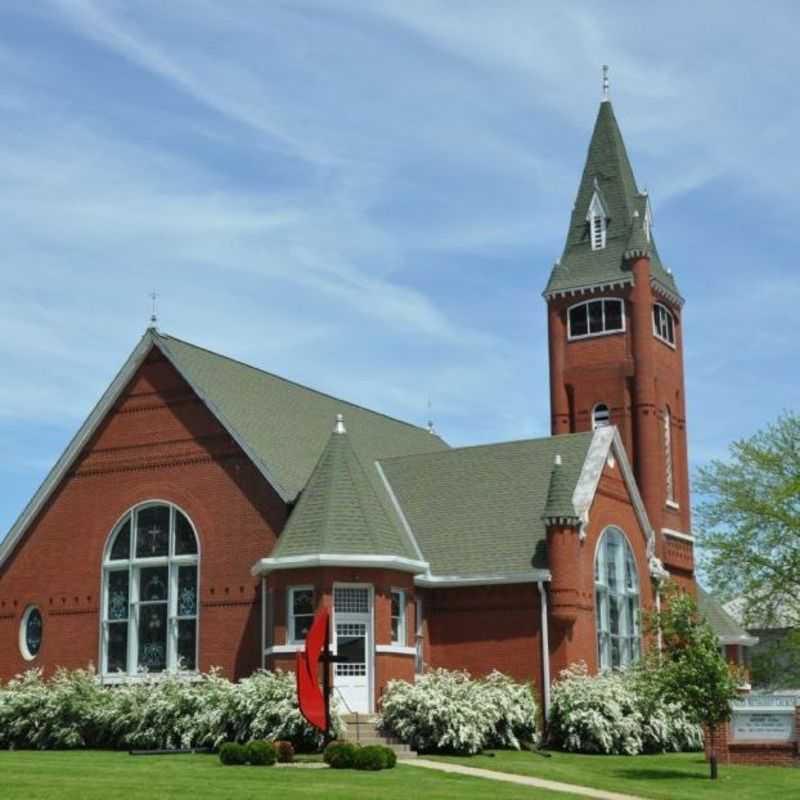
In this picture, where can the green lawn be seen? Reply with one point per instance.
(675, 776)
(96, 775)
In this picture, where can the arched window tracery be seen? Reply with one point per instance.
(150, 592)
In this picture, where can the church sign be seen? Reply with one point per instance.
(764, 718)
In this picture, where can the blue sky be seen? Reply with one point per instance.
(367, 197)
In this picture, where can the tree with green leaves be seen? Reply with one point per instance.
(688, 667)
(748, 523)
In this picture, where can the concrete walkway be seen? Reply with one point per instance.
(522, 780)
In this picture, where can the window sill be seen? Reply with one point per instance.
(594, 335)
(277, 649)
(673, 505)
(396, 649)
(667, 342)
(121, 678)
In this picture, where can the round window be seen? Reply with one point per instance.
(30, 633)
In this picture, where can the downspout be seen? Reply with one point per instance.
(659, 637)
(263, 623)
(545, 651)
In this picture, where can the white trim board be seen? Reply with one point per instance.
(396, 649)
(686, 537)
(454, 581)
(74, 448)
(604, 440)
(266, 565)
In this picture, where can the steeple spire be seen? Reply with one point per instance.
(607, 221)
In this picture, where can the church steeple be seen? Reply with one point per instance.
(608, 182)
(616, 338)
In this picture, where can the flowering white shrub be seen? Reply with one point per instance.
(61, 713)
(73, 710)
(446, 710)
(616, 712)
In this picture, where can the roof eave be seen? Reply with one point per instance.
(399, 563)
(620, 283)
(78, 442)
(454, 581)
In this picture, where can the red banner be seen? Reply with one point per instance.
(309, 694)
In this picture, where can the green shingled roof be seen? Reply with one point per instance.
(609, 171)
(722, 623)
(478, 510)
(284, 425)
(339, 511)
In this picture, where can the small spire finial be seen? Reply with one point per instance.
(153, 315)
(339, 428)
(605, 83)
(431, 428)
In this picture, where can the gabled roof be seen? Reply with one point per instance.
(339, 516)
(286, 425)
(281, 425)
(607, 171)
(479, 512)
(726, 628)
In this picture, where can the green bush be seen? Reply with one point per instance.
(261, 754)
(372, 757)
(233, 754)
(340, 755)
(285, 752)
(391, 757)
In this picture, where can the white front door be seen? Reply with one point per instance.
(352, 617)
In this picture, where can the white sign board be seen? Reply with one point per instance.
(765, 724)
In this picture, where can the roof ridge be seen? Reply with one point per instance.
(490, 444)
(295, 383)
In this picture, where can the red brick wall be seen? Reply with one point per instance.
(483, 628)
(636, 375)
(572, 566)
(387, 665)
(757, 754)
(159, 441)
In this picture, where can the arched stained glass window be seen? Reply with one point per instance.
(616, 582)
(150, 592)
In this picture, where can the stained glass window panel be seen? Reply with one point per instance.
(187, 644)
(187, 591)
(121, 549)
(152, 532)
(185, 541)
(33, 632)
(117, 647)
(153, 584)
(153, 637)
(117, 595)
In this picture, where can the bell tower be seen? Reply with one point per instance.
(615, 338)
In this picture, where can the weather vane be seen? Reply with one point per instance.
(605, 81)
(153, 315)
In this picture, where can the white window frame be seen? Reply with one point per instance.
(23, 633)
(604, 332)
(401, 626)
(133, 566)
(290, 616)
(660, 307)
(601, 424)
(633, 631)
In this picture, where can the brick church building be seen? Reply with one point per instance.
(206, 508)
